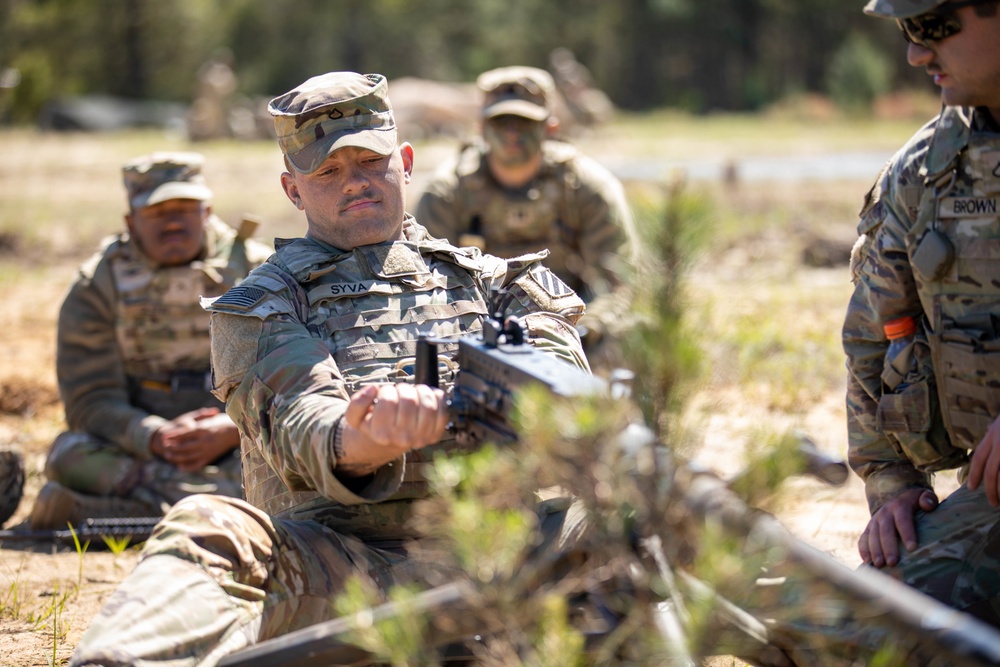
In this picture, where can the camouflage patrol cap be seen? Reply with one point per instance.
(901, 9)
(157, 177)
(516, 91)
(331, 111)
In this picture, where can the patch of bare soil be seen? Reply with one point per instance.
(48, 598)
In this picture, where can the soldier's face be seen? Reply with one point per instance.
(965, 65)
(355, 198)
(172, 232)
(513, 141)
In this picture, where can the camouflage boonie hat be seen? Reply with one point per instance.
(516, 91)
(331, 111)
(901, 9)
(155, 178)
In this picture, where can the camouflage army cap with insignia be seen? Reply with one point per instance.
(331, 111)
(516, 91)
(901, 9)
(152, 179)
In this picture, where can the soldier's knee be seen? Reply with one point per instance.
(216, 532)
(65, 455)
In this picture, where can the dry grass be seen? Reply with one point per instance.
(770, 324)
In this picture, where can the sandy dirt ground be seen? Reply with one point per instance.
(49, 593)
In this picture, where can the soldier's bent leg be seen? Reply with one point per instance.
(87, 464)
(958, 560)
(218, 575)
(161, 482)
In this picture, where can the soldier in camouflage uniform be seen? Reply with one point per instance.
(313, 354)
(11, 482)
(517, 192)
(929, 235)
(133, 356)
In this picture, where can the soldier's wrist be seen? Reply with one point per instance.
(338, 442)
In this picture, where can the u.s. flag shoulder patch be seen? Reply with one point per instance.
(550, 282)
(241, 297)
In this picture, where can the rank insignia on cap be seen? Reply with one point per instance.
(550, 282)
(242, 297)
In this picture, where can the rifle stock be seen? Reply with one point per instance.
(136, 529)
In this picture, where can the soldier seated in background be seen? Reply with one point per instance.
(519, 191)
(133, 356)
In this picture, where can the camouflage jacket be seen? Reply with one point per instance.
(313, 324)
(928, 247)
(574, 208)
(133, 344)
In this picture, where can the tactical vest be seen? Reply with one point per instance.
(369, 307)
(162, 330)
(954, 249)
(512, 223)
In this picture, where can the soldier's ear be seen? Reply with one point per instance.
(552, 126)
(129, 223)
(291, 189)
(406, 153)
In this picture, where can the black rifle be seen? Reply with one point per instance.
(135, 529)
(493, 368)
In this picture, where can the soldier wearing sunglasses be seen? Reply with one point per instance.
(929, 250)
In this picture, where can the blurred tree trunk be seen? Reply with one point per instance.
(135, 72)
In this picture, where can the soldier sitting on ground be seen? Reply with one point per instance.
(11, 482)
(519, 191)
(133, 356)
(312, 354)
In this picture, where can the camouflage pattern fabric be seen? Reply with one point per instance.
(939, 192)
(956, 563)
(238, 576)
(290, 344)
(900, 9)
(11, 482)
(317, 324)
(574, 208)
(133, 352)
(311, 122)
(91, 465)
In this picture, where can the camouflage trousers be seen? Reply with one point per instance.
(958, 557)
(219, 575)
(87, 464)
(957, 563)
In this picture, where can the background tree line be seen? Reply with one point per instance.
(698, 55)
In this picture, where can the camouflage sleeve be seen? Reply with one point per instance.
(284, 391)
(525, 288)
(437, 209)
(884, 288)
(90, 368)
(608, 241)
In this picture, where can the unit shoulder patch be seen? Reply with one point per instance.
(550, 282)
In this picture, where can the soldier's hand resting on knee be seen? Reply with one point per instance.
(893, 523)
(385, 421)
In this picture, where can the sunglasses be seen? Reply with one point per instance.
(937, 24)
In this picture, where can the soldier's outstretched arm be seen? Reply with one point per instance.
(384, 422)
